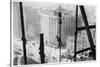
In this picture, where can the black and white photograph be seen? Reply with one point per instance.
(52, 33)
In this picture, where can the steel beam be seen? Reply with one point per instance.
(88, 30)
(42, 55)
(84, 28)
(80, 51)
(75, 46)
(23, 32)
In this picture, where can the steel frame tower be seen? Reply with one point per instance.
(89, 35)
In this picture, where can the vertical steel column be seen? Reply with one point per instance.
(59, 38)
(75, 46)
(88, 31)
(23, 32)
(41, 48)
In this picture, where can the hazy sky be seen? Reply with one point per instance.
(35, 23)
